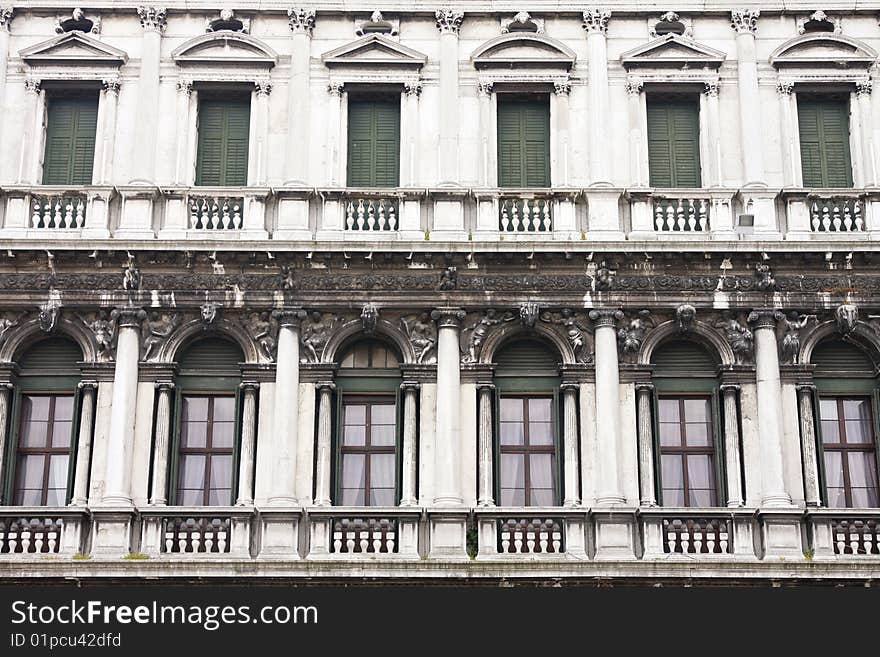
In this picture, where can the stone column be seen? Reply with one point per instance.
(812, 496)
(449, 24)
(610, 491)
(296, 165)
(863, 95)
(769, 392)
(122, 415)
(637, 130)
(409, 495)
(84, 443)
(570, 462)
(447, 458)
(32, 139)
(146, 116)
(729, 394)
(183, 172)
(486, 496)
(109, 103)
(286, 422)
(5, 19)
(645, 403)
(159, 489)
(248, 443)
(334, 133)
(5, 395)
(745, 22)
(561, 91)
(790, 163)
(487, 152)
(595, 22)
(410, 134)
(325, 443)
(713, 128)
(262, 89)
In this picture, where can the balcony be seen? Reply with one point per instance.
(196, 532)
(213, 213)
(697, 533)
(48, 212)
(364, 533)
(530, 533)
(840, 533)
(370, 214)
(681, 214)
(830, 214)
(526, 214)
(42, 531)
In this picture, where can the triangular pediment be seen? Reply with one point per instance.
(373, 50)
(673, 50)
(225, 47)
(73, 48)
(523, 49)
(824, 50)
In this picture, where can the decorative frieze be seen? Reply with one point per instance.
(448, 20)
(301, 20)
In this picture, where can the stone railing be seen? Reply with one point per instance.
(339, 532)
(196, 531)
(63, 212)
(839, 533)
(837, 215)
(829, 214)
(697, 535)
(41, 531)
(50, 212)
(371, 214)
(681, 215)
(534, 532)
(215, 213)
(207, 212)
(697, 532)
(525, 214)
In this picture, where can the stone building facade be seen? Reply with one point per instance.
(431, 292)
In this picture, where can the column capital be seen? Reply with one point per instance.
(111, 85)
(605, 317)
(129, 316)
(634, 85)
(87, 384)
(413, 89)
(164, 385)
(153, 19)
(805, 387)
(744, 21)
(32, 84)
(864, 86)
(448, 317)
(486, 386)
(711, 89)
(6, 18)
(410, 386)
(562, 87)
(448, 21)
(325, 386)
(764, 318)
(289, 317)
(569, 387)
(301, 20)
(263, 87)
(336, 88)
(249, 386)
(596, 20)
(729, 388)
(485, 88)
(185, 86)
(785, 87)
(644, 387)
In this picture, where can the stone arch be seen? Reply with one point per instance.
(346, 333)
(509, 330)
(28, 333)
(523, 48)
(700, 332)
(862, 336)
(823, 49)
(225, 46)
(189, 331)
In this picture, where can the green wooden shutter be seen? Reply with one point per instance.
(674, 142)
(374, 143)
(224, 128)
(523, 142)
(71, 124)
(823, 124)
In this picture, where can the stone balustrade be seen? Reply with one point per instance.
(837, 215)
(525, 215)
(196, 531)
(40, 531)
(838, 533)
(215, 213)
(63, 212)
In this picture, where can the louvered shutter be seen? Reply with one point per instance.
(70, 140)
(224, 127)
(373, 143)
(823, 124)
(523, 142)
(674, 142)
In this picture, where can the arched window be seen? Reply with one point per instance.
(688, 432)
(528, 466)
(207, 426)
(845, 384)
(43, 427)
(367, 434)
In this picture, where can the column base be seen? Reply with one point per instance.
(112, 531)
(279, 533)
(614, 534)
(448, 534)
(781, 534)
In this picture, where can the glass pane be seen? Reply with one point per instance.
(697, 434)
(511, 409)
(833, 470)
(33, 431)
(864, 498)
(382, 497)
(353, 471)
(220, 497)
(836, 498)
(542, 497)
(857, 409)
(513, 497)
(194, 409)
(56, 497)
(862, 470)
(670, 434)
(828, 408)
(830, 432)
(35, 408)
(192, 471)
(696, 410)
(58, 471)
(354, 435)
(190, 497)
(382, 414)
(352, 497)
(512, 471)
(224, 409)
(540, 433)
(382, 470)
(858, 431)
(700, 473)
(541, 471)
(223, 435)
(382, 435)
(512, 433)
(355, 414)
(221, 471)
(193, 434)
(673, 497)
(671, 471)
(701, 497)
(61, 433)
(63, 408)
(539, 410)
(30, 471)
(668, 410)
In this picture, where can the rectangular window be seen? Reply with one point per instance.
(224, 129)
(848, 446)
(43, 455)
(368, 452)
(823, 123)
(207, 443)
(687, 451)
(374, 142)
(674, 140)
(523, 140)
(71, 123)
(527, 446)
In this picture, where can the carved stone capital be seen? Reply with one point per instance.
(325, 386)
(164, 385)
(711, 89)
(111, 85)
(448, 20)
(410, 386)
(805, 388)
(6, 17)
(88, 384)
(412, 89)
(300, 20)
(596, 20)
(249, 386)
(562, 87)
(744, 21)
(336, 88)
(864, 86)
(153, 19)
(784, 88)
(605, 317)
(32, 84)
(263, 87)
(448, 317)
(129, 317)
(634, 86)
(290, 318)
(485, 88)
(486, 387)
(569, 388)
(764, 318)
(729, 388)
(645, 387)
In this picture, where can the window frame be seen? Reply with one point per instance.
(392, 95)
(513, 96)
(61, 91)
(671, 97)
(231, 93)
(819, 94)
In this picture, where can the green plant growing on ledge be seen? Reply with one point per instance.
(472, 539)
(136, 555)
(809, 554)
(79, 556)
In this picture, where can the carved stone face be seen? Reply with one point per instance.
(847, 315)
